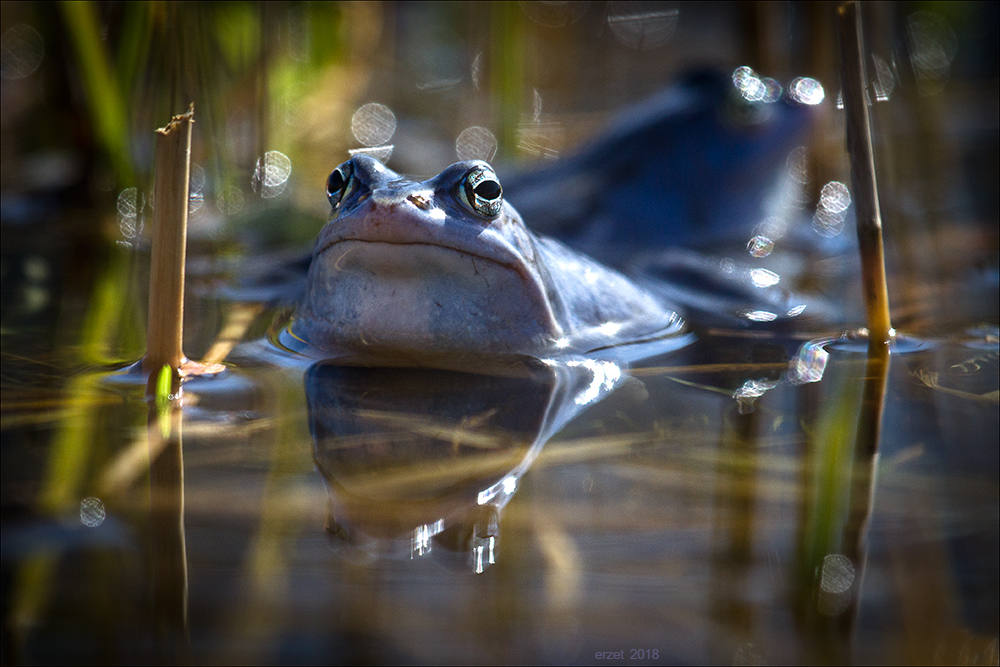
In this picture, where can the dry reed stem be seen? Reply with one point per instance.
(859, 145)
(165, 329)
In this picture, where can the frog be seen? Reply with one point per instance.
(697, 194)
(444, 273)
(695, 166)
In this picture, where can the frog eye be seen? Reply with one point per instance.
(482, 191)
(340, 183)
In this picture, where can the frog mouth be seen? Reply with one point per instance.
(419, 296)
(374, 248)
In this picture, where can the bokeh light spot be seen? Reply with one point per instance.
(272, 173)
(21, 52)
(373, 124)
(131, 203)
(933, 46)
(642, 25)
(760, 246)
(749, 84)
(827, 223)
(798, 164)
(196, 188)
(884, 80)
(837, 574)
(835, 197)
(476, 143)
(806, 90)
(92, 512)
(231, 200)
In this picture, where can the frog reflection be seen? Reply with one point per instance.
(422, 461)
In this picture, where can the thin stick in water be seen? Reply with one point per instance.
(165, 329)
(859, 145)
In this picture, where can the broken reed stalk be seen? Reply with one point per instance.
(859, 145)
(165, 329)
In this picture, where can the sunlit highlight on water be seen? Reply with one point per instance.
(483, 554)
(609, 328)
(760, 316)
(420, 541)
(755, 88)
(810, 362)
(764, 278)
(509, 484)
(749, 392)
(797, 310)
(835, 197)
(373, 125)
(605, 375)
(506, 486)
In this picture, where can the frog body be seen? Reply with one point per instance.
(695, 166)
(443, 271)
(681, 193)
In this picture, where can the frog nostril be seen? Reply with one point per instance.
(420, 201)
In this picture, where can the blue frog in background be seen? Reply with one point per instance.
(697, 189)
(693, 166)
